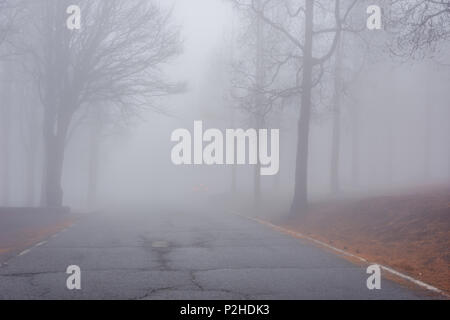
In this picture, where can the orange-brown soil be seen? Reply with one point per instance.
(18, 239)
(410, 233)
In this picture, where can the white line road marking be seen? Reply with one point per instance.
(40, 243)
(24, 252)
(386, 268)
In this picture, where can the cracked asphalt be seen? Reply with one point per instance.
(185, 254)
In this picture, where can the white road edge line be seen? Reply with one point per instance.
(24, 252)
(40, 243)
(386, 268)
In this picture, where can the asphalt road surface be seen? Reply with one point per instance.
(185, 254)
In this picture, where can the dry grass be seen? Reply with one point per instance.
(410, 233)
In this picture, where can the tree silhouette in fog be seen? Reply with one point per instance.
(418, 25)
(115, 59)
(314, 43)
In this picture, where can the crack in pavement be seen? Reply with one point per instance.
(194, 280)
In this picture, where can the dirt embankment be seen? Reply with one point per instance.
(410, 233)
(21, 228)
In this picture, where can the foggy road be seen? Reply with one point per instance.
(171, 254)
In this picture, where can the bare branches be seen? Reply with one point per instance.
(9, 11)
(285, 51)
(116, 60)
(5, 24)
(262, 71)
(116, 57)
(418, 25)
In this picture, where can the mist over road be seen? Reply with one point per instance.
(185, 254)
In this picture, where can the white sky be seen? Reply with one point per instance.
(204, 25)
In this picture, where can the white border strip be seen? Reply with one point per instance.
(386, 268)
(40, 243)
(24, 252)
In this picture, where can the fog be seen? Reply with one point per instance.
(198, 136)
(394, 128)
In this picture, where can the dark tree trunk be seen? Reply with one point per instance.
(233, 167)
(300, 200)
(257, 180)
(257, 186)
(277, 178)
(336, 138)
(93, 173)
(390, 152)
(259, 99)
(355, 146)
(31, 173)
(335, 154)
(427, 140)
(55, 140)
(448, 144)
(96, 131)
(31, 142)
(5, 127)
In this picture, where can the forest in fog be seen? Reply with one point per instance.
(360, 97)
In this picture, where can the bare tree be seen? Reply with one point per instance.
(116, 57)
(30, 119)
(336, 116)
(418, 25)
(5, 128)
(350, 59)
(420, 29)
(313, 44)
(6, 19)
(248, 82)
(8, 15)
(262, 80)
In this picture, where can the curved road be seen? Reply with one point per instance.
(185, 254)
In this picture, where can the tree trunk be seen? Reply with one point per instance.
(355, 146)
(31, 179)
(30, 129)
(54, 157)
(257, 174)
(5, 127)
(96, 130)
(58, 109)
(233, 167)
(390, 151)
(336, 138)
(300, 200)
(258, 104)
(93, 172)
(257, 186)
(277, 178)
(32, 152)
(448, 145)
(427, 140)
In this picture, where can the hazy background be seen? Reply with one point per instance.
(402, 117)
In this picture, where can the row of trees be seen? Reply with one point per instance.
(108, 69)
(295, 52)
(290, 53)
